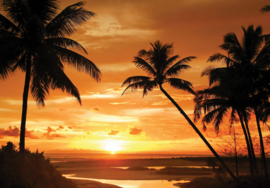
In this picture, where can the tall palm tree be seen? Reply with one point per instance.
(161, 68)
(33, 39)
(248, 60)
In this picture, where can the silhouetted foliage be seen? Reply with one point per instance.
(239, 88)
(33, 39)
(244, 182)
(31, 170)
(162, 68)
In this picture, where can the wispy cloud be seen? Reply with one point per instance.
(107, 25)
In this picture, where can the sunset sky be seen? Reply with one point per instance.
(112, 38)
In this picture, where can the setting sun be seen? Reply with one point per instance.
(112, 145)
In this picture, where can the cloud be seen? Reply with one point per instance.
(160, 103)
(113, 132)
(96, 108)
(15, 132)
(111, 118)
(5, 110)
(109, 26)
(28, 134)
(52, 136)
(99, 96)
(117, 103)
(134, 131)
(60, 127)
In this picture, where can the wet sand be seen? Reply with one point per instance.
(105, 169)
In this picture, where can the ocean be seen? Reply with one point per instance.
(64, 157)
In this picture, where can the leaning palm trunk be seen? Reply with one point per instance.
(264, 166)
(248, 145)
(199, 133)
(251, 148)
(24, 106)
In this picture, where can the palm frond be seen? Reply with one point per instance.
(221, 58)
(15, 10)
(141, 63)
(159, 55)
(178, 67)
(78, 61)
(7, 25)
(181, 84)
(65, 43)
(134, 79)
(45, 9)
(233, 117)
(21, 63)
(168, 63)
(210, 116)
(10, 54)
(233, 47)
(66, 22)
(40, 84)
(251, 43)
(48, 73)
(216, 116)
(59, 80)
(137, 85)
(262, 59)
(219, 118)
(266, 8)
(149, 87)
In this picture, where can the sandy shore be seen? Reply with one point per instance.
(107, 169)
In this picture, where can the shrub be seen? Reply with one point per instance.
(31, 170)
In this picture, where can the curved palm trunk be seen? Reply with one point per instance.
(261, 144)
(248, 144)
(24, 106)
(251, 148)
(199, 133)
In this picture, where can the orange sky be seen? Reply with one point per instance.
(112, 38)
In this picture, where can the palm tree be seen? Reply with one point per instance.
(159, 65)
(219, 102)
(248, 62)
(33, 39)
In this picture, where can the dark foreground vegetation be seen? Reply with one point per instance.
(221, 179)
(31, 170)
(244, 182)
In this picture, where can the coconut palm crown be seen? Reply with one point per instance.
(161, 68)
(33, 39)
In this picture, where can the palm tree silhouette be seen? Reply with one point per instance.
(217, 102)
(161, 69)
(33, 39)
(245, 74)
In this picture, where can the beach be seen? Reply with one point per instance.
(131, 169)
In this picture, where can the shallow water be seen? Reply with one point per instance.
(161, 167)
(133, 183)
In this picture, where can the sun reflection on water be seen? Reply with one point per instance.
(133, 183)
